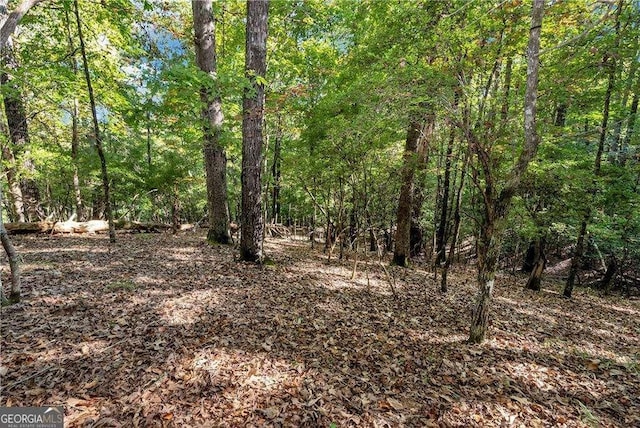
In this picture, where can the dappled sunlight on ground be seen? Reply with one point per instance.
(158, 330)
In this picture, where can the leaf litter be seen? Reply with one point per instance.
(162, 330)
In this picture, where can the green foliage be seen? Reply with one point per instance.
(343, 80)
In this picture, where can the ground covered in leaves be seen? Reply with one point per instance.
(162, 330)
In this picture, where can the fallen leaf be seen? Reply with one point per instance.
(397, 405)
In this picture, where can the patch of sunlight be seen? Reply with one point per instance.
(532, 374)
(338, 284)
(204, 361)
(538, 314)
(620, 309)
(63, 250)
(142, 279)
(480, 413)
(266, 382)
(590, 350)
(183, 254)
(248, 372)
(452, 338)
(93, 346)
(508, 301)
(187, 309)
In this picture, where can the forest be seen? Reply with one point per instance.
(321, 212)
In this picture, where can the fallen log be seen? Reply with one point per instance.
(91, 226)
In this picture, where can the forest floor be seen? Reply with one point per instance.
(162, 330)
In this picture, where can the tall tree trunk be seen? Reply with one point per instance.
(496, 210)
(215, 158)
(442, 223)
(416, 233)
(75, 145)
(175, 211)
(630, 125)
(96, 129)
(75, 135)
(456, 226)
(578, 253)
(616, 155)
(252, 138)
(402, 250)
(276, 173)
(18, 129)
(14, 260)
(148, 126)
(504, 111)
(15, 192)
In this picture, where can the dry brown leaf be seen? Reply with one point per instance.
(397, 405)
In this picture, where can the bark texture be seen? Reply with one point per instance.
(538, 263)
(10, 21)
(215, 158)
(497, 208)
(252, 138)
(402, 250)
(18, 133)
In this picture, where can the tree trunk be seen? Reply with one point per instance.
(456, 226)
(96, 129)
(504, 111)
(579, 250)
(630, 125)
(10, 21)
(215, 158)
(252, 138)
(539, 262)
(14, 260)
(607, 279)
(15, 192)
(18, 131)
(488, 250)
(75, 136)
(175, 211)
(276, 173)
(402, 251)
(442, 223)
(496, 210)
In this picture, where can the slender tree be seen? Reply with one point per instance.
(14, 260)
(96, 128)
(252, 138)
(578, 253)
(75, 134)
(497, 206)
(215, 158)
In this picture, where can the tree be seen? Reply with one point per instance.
(610, 64)
(252, 222)
(14, 261)
(496, 206)
(415, 138)
(10, 22)
(18, 133)
(215, 158)
(96, 129)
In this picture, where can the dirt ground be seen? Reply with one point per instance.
(162, 330)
